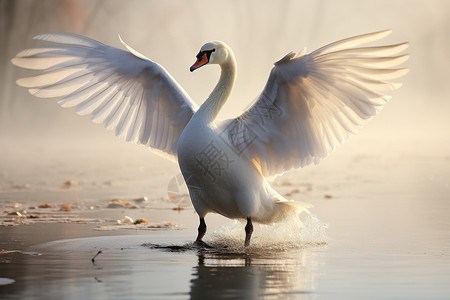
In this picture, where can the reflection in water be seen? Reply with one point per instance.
(227, 275)
(281, 263)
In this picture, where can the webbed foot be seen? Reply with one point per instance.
(202, 244)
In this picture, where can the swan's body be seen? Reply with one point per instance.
(219, 179)
(309, 105)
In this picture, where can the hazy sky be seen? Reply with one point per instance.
(260, 33)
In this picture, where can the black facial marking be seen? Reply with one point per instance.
(208, 54)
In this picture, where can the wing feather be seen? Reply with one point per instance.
(122, 89)
(312, 103)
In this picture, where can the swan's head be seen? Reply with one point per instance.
(216, 52)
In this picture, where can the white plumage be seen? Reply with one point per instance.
(310, 104)
(125, 91)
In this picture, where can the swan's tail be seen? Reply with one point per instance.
(288, 208)
(294, 205)
(283, 208)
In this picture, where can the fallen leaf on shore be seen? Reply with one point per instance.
(21, 186)
(65, 208)
(141, 199)
(326, 196)
(126, 220)
(116, 203)
(45, 205)
(15, 213)
(140, 221)
(66, 185)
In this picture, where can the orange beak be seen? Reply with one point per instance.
(200, 62)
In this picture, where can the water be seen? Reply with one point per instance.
(130, 269)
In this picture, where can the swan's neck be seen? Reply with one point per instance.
(211, 107)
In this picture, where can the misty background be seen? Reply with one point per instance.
(259, 32)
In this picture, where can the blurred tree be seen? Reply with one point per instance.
(20, 20)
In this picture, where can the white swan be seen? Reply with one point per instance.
(310, 104)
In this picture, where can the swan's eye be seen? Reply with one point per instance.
(207, 52)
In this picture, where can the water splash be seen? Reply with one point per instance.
(288, 234)
(227, 242)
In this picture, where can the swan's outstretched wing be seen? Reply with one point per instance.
(125, 90)
(311, 103)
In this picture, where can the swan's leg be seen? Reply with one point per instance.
(201, 233)
(201, 230)
(248, 232)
